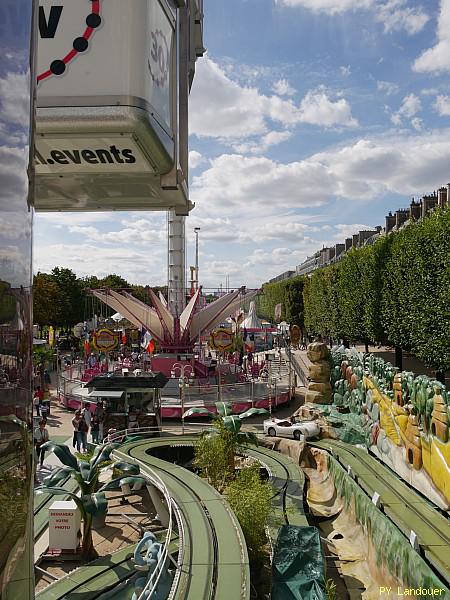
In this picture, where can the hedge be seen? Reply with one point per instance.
(395, 291)
(288, 293)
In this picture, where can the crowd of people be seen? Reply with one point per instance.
(83, 422)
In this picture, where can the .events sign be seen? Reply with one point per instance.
(90, 155)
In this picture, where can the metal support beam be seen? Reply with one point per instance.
(176, 263)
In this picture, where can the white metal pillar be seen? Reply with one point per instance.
(176, 263)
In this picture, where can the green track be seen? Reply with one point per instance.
(405, 507)
(214, 560)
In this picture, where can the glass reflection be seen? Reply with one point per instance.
(16, 468)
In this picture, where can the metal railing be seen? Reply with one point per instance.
(156, 480)
(300, 369)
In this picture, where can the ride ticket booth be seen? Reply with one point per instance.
(130, 402)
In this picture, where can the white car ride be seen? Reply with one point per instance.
(299, 430)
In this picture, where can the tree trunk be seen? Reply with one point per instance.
(440, 376)
(87, 545)
(366, 344)
(346, 343)
(399, 358)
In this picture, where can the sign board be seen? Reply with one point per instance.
(89, 155)
(221, 340)
(107, 103)
(63, 525)
(105, 340)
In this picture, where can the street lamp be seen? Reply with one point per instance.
(196, 230)
(185, 378)
(269, 358)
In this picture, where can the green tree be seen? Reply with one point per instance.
(251, 502)
(45, 300)
(114, 281)
(70, 297)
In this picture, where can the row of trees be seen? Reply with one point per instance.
(396, 291)
(288, 293)
(59, 297)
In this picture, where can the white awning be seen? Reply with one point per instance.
(105, 394)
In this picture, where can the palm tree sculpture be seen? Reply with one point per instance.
(92, 502)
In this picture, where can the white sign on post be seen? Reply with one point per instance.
(63, 525)
(107, 69)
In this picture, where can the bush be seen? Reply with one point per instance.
(251, 501)
(214, 455)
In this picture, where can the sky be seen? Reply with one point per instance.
(309, 120)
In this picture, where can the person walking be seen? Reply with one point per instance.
(40, 437)
(38, 398)
(83, 429)
(86, 414)
(76, 423)
(47, 380)
(100, 413)
(95, 429)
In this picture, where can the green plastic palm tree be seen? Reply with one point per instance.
(92, 501)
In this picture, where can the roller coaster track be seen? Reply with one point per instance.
(214, 555)
(212, 561)
(405, 507)
(285, 476)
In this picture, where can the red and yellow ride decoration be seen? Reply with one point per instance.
(105, 340)
(221, 340)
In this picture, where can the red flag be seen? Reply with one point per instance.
(87, 347)
(151, 347)
(124, 336)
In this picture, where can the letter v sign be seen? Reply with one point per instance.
(47, 29)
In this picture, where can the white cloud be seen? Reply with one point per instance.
(282, 88)
(14, 94)
(393, 14)
(330, 7)
(222, 109)
(387, 87)
(437, 58)
(137, 266)
(317, 109)
(442, 105)
(410, 106)
(137, 232)
(195, 159)
(345, 71)
(263, 143)
(14, 183)
(249, 187)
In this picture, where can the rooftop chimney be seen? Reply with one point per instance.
(415, 210)
(390, 222)
(348, 243)
(442, 197)
(428, 203)
(401, 216)
(339, 249)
